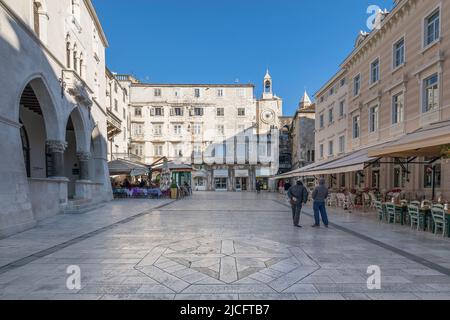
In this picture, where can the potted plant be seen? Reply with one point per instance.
(173, 190)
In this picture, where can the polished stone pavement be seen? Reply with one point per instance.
(221, 246)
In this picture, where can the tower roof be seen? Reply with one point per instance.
(305, 101)
(267, 75)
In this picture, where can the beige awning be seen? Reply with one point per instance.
(352, 162)
(428, 141)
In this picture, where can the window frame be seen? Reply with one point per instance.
(396, 66)
(425, 102)
(426, 24)
(378, 69)
(395, 115)
(356, 93)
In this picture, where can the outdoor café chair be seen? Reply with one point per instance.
(439, 220)
(381, 213)
(414, 216)
(392, 213)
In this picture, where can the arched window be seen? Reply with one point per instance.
(68, 55)
(268, 86)
(36, 17)
(81, 65)
(25, 148)
(75, 59)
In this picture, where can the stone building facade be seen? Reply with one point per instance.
(53, 111)
(303, 134)
(396, 111)
(229, 136)
(118, 124)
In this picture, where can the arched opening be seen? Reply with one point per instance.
(75, 152)
(268, 86)
(33, 134)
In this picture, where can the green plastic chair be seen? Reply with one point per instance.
(414, 216)
(392, 213)
(381, 213)
(440, 223)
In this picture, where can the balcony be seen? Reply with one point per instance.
(138, 137)
(114, 125)
(77, 88)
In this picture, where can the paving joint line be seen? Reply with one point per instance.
(424, 262)
(45, 252)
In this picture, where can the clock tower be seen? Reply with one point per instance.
(270, 107)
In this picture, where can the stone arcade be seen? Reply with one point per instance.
(52, 117)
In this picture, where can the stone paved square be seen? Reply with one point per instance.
(198, 249)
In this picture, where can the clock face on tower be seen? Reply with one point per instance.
(267, 116)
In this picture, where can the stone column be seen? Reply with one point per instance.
(56, 149)
(83, 159)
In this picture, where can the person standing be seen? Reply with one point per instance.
(320, 195)
(298, 195)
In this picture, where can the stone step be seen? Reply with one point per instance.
(80, 209)
(76, 202)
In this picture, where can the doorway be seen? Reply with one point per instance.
(241, 184)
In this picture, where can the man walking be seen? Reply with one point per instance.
(319, 196)
(298, 195)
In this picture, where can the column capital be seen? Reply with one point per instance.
(56, 146)
(83, 156)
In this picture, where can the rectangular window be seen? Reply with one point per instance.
(399, 53)
(197, 129)
(321, 121)
(375, 71)
(321, 151)
(356, 85)
(124, 113)
(137, 129)
(341, 109)
(398, 102)
(398, 177)
(373, 119)
(157, 130)
(197, 93)
(138, 112)
(220, 183)
(356, 127)
(432, 28)
(331, 91)
(220, 112)
(159, 112)
(330, 148)
(428, 176)
(343, 82)
(116, 105)
(157, 92)
(198, 151)
(341, 144)
(220, 129)
(241, 112)
(158, 150)
(177, 129)
(178, 112)
(431, 93)
(330, 116)
(198, 112)
(220, 92)
(178, 151)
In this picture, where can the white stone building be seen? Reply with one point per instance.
(229, 136)
(117, 101)
(53, 110)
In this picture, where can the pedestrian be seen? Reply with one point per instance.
(298, 195)
(320, 195)
(258, 187)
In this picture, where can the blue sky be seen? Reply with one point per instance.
(302, 42)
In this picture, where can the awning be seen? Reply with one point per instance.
(125, 167)
(174, 167)
(430, 141)
(352, 162)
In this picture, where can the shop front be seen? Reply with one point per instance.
(241, 180)
(220, 182)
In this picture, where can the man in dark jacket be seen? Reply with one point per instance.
(319, 196)
(298, 195)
